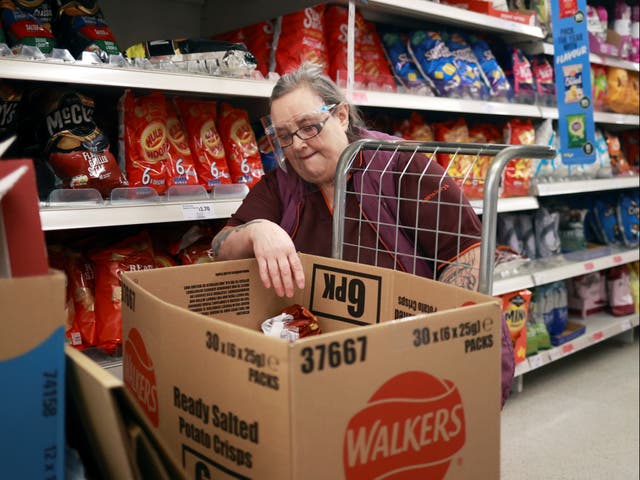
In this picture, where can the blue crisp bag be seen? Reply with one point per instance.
(498, 82)
(628, 213)
(404, 68)
(606, 219)
(474, 83)
(436, 62)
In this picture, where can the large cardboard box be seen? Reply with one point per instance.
(368, 398)
(32, 317)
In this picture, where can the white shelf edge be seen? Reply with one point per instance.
(548, 49)
(581, 186)
(510, 204)
(599, 327)
(118, 215)
(452, 14)
(553, 269)
(512, 284)
(367, 98)
(616, 118)
(20, 69)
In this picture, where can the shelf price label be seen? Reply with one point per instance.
(567, 348)
(589, 266)
(198, 211)
(573, 81)
(617, 259)
(535, 361)
(597, 336)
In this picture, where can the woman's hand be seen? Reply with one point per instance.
(278, 261)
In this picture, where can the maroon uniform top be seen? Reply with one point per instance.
(455, 230)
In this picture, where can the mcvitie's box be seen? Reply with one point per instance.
(369, 398)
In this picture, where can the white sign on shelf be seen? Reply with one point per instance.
(198, 211)
(535, 361)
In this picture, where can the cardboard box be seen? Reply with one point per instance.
(527, 17)
(368, 398)
(32, 314)
(120, 446)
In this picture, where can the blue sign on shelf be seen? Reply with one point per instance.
(573, 81)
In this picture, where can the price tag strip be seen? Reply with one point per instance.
(198, 211)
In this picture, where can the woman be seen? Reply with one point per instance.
(313, 123)
(291, 209)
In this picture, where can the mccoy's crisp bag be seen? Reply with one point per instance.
(134, 253)
(515, 309)
(28, 23)
(243, 157)
(199, 118)
(300, 38)
(10, 96)
(75, 148)
(146, 140)
(180, 167)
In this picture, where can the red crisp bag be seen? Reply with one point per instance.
(75, 148)
(416, 128)
(300, 38)
(81, 286)
(459, 167)
(485, 134)
(146, 140)
(518, 172)
(375, 67)
(243, 157)
(335, 23)
(199, 117)
(180, 167)
(259, 41)
(56, 254)
(134, 253)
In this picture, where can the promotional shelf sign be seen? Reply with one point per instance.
(573, 81)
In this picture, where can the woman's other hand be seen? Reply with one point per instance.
(278, 261)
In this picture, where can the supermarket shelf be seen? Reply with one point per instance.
(599, 117)
(582, 186)
(367, 98)
(513, 204)
(560, 267)
(41, 71)
(616, 118)
(63, 218)
(548, 49)
(599, 327)
(441, 13)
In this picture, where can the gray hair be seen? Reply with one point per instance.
(310, 75)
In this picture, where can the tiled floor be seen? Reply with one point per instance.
(577, 418)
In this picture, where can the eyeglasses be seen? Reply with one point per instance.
(306, 132)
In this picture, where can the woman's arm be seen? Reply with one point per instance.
(278, 262)
(465, 271)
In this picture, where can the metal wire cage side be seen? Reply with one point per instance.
(403, 190)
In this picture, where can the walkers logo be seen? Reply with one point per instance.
(139, 375)
(411, 428)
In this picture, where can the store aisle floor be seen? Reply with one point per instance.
(577, 418)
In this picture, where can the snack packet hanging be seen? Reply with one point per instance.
(436, 62)
(585, 294)
(199, 117)
(133, 253)
(73, 145)
(501, 89)
(628, 213)
(146, 141)
(518, 172)
(474, 83)
(179, 165)
(240, 145)
(375, 67)
(403, 66)
(28, 23)
(81, 27)
(299, 37)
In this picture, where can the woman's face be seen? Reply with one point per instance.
(315, 159)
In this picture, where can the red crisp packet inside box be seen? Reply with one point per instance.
(292, 323)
